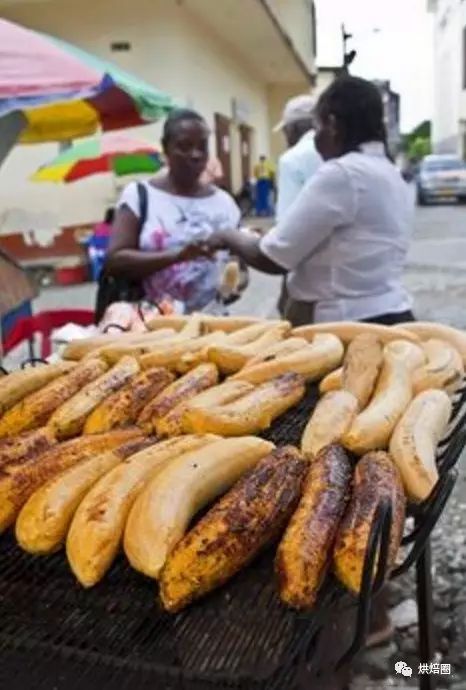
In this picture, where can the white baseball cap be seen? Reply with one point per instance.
(297, 108)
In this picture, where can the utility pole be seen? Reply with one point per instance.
(347, 57)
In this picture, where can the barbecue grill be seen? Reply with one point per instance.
(56, 635)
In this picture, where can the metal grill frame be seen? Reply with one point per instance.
(106, 669)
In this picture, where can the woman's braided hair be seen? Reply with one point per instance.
(358, 109)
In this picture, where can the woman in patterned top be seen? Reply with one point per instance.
(166, 248)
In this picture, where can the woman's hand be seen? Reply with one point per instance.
(218, 240)
(195, 250)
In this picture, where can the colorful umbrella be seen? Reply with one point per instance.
(112, 152)
(59, 92)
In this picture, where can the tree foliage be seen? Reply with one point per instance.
(417, 143)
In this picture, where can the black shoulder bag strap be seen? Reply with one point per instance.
(118, 288)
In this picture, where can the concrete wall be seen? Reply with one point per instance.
(295, 17)
(170, 49)
(449, 96)
(278, 94)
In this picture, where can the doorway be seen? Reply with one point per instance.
(245, 151)
(223, 146)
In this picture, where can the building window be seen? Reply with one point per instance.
(464, 57)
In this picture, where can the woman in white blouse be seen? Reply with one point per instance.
(161, 245)
(343, 243)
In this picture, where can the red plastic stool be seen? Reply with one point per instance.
(43, 324)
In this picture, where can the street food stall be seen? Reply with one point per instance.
(214, 503)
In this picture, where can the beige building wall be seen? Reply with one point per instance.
(296, 19)
(171, 49)
(278, 94)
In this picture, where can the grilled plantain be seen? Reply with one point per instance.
(330, 420)
(305, 551)
(26, 445)
(372, 428)
(332, 382)
(173, 423)
(312, 361)
(19, 480)
(280, 349)
(19, 384)
(78, 349)
(249, 414)
(361, 367)
(43, 522)
(228, 324)
(230, 358)
(123, 407)
(161, 514)
(97, 527)
(185, 388)
(444, 368)
(171, 356)
(34, 410)
(247, 518)
(69, 419)
(376, 479)
(413, 444)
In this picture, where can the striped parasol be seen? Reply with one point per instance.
(112, 152)
(53, 91)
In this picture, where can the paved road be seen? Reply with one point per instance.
(436, 272)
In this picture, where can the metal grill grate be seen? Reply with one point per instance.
(54, 634)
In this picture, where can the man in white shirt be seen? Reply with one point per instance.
(297, 165)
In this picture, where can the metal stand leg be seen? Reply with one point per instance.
(425, 613)
(31, 348)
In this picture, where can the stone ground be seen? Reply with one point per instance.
(436, 276)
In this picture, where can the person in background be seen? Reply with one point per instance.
(299, 163)
(343, 243)
(164, 249)
(264, 173)
(213, 172)
(97, 243)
